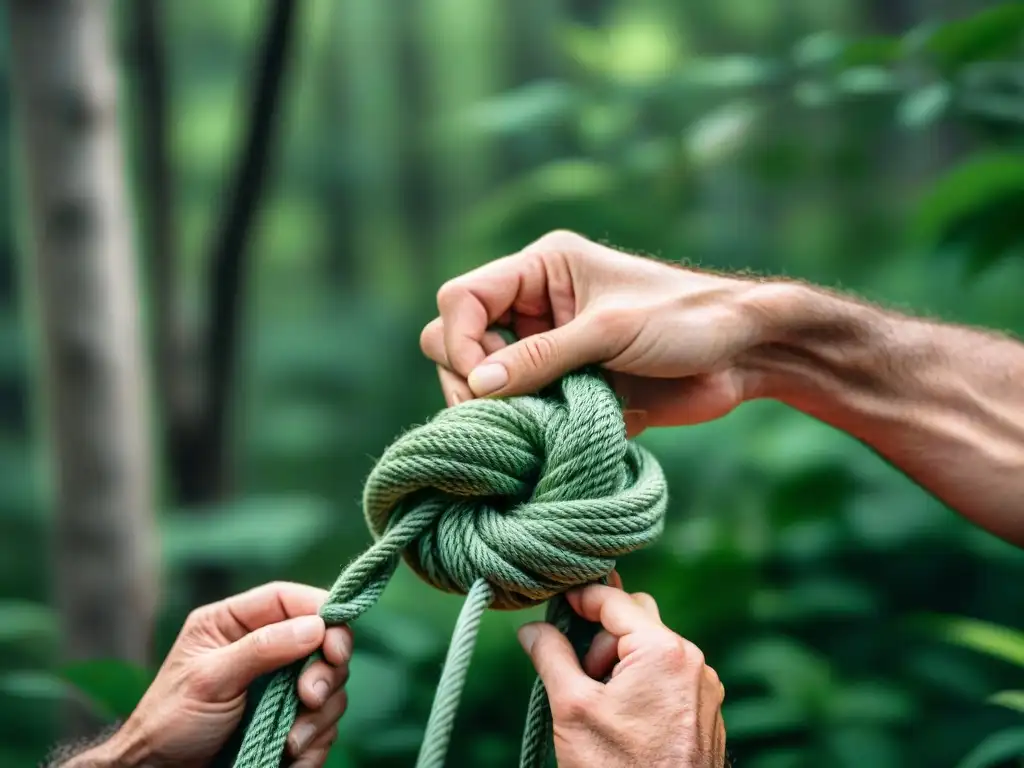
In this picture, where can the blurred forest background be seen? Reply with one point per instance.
(210, 341)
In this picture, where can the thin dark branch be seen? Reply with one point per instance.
(228, 260)
(417, 188)
(160, 216)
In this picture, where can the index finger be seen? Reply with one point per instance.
(612, 608)
(241, 614)
(470, 304)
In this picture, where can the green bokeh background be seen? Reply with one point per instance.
(873, 147)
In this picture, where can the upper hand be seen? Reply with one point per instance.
(672, 338)
(661, 705)
(198, 696)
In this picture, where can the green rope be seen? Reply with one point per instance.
(510, 502)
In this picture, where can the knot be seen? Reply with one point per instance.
(534, 494)
(510, 502)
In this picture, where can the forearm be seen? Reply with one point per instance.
(943, 403)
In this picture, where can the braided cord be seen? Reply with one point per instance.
(453, 678)
(509, 502)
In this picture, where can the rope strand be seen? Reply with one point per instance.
(509, 502)
(453, 677)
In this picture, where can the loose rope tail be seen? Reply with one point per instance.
(509, 502)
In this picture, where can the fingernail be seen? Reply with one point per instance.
(343, 645)
(488, 378)
(527, 636)
(308, 629)
(320, 690)
(301, 736)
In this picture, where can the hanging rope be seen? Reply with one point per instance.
(509, 502)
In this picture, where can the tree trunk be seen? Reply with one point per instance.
(65, 87)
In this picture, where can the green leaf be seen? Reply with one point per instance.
(872, 702)
(991, 639)
(857, 745)
(872, 50)
(753, 718)
(991, 107)
(530, 107)
(987, 34)
(22, 620)
(812, 93)
(635, 47)
(866, 81)
(260, 529)
(1009, 699)
(790, 670)
(991, 233)
(816, 597)
(561, 181)
(924, 106)
(818, 48)
(721, 133)
(113, 687)
(726, 72)
(339, 757)
(996, 749)
(29, 684)
(980, 181)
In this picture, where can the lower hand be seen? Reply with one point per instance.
(661, 705)
(198, 697)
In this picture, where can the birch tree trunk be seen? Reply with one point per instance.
(65, 87)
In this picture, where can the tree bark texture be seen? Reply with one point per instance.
(65, 87)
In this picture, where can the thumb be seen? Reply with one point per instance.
(553, 657)
(535, 361)
(267, 649)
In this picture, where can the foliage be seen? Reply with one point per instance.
(807, 139)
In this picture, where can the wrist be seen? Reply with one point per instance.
(126, 748)
(813, 350)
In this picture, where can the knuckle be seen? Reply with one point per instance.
(560, 241)
(679, 652)
(692, 655)
(614, 322)
(574, 704)
(712, 676)
(260, 643)
(540, 351)
(449, 292)
(199, 617)
(429, 336)
(201, 681)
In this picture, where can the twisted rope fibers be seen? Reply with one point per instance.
(510, 502)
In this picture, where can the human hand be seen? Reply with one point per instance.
(661, 705)
(672, 338)
(198, 696)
